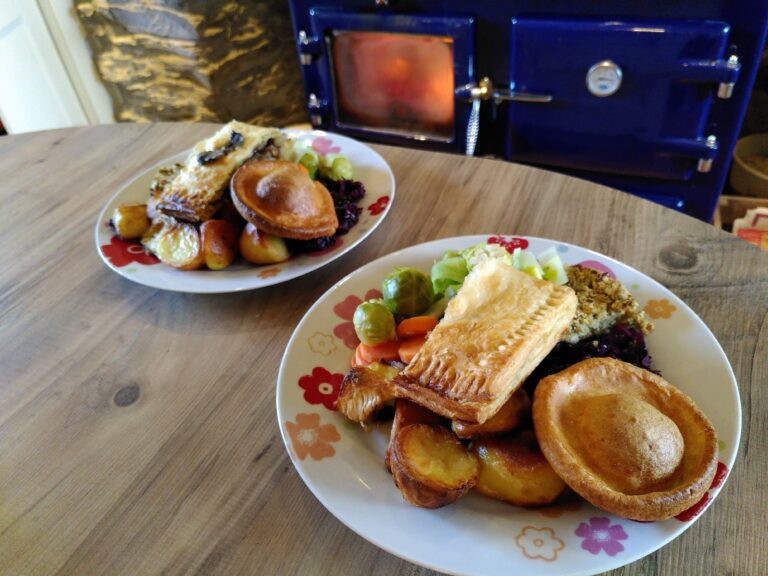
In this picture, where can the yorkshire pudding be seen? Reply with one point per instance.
(625, 439)
(279, 198)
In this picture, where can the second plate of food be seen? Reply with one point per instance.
(343, 465)
(133, 261)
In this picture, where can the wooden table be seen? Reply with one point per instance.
(137, 427)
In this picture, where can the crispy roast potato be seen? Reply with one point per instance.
(130, 221)
(430, 466)
(407, 413)
(261, 248)
(175, 243)
(219, 239)
(512, 414)
(513, 469)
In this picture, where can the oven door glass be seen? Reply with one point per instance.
(393, 78)
(627, 97)
(395, 83)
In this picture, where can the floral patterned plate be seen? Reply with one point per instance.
(129, 259)
(344, 468)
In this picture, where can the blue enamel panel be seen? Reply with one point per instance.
(654, 125)
(645, 139)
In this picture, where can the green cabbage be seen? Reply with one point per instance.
(449, 271)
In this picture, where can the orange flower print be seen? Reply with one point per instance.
(310, 438)
(539, 543)
(320, 343)
(659, 309)
(560, 509)
(269, 272)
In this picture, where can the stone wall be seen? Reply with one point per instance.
(196, 60)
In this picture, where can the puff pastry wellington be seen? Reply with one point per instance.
(495, 331)
(193, 192)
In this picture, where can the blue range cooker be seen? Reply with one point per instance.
(647, 97)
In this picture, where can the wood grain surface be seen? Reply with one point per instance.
(137, 427)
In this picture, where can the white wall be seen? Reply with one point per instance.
(47, 78)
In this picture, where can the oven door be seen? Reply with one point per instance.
(389, 78)
(628, 98)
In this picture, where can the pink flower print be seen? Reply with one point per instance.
(321, 387)
(599, 266)
(324, 146)
(599, 535)
(379, 206)
(345, 310)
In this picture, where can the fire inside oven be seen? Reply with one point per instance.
(394, 83)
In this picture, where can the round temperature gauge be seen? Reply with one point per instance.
(604, 78)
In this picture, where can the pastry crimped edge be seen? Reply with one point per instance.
(433, 379)
(649, 506)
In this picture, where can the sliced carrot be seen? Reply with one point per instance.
(304, 168)
(416, 326)
(378, 352)
(410, 348)
(358, 360)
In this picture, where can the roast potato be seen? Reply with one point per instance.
(219, 239)
(261, 248)
(430, 466)
(130, 221)
(407, 413)
(175, 243)
(513, 469)
(512, 414)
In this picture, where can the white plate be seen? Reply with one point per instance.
(344, 468)
(129, 260)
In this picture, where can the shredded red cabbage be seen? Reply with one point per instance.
(345, 194)
(621, 342)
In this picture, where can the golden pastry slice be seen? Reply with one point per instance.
(193, 191)
(625, 439)
(366, 390)
(495, 331)
(279, 198)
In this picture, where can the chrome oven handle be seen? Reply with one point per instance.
(473, 128)
(474, 93)
(512, 96)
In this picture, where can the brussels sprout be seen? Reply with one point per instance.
(407, 291)
(335, 167)
(374, 323)
(311, 162)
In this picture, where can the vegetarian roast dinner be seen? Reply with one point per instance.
(247, 190)
(528, 381)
